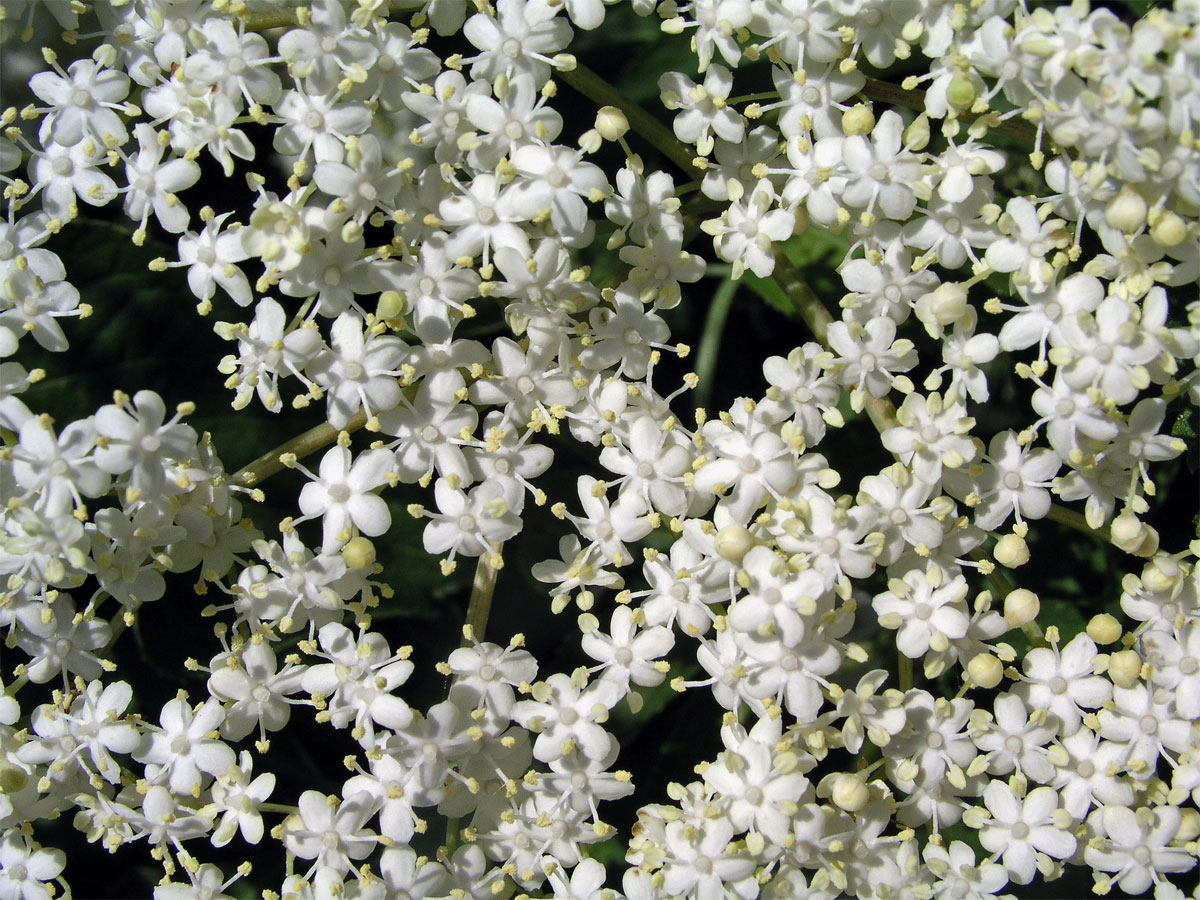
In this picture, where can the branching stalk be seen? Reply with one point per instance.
(596, 89)
(302, 445)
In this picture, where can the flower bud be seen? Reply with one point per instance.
(1104, 629)
(858, 120)
(392, 305)
(1189, 826)
(733, 542)
(850, 792)
(1133, 536)
(1161, 574)
(611, 123)
(359, 554)
(12, 779)
(1124, 668)
(1127, 211)
(1011, 551)
(961, 92)
(1021, 607)
(985, 670)
(1169, 230)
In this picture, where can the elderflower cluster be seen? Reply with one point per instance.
(395, 170)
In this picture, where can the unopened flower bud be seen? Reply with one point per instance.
(985, 670)
(12, 779)
(611, 123)
(359, 554)
(1127, 211)
(858, 120)
(1133, 536)
(850, 792)
(1189, 826)
(1161, 574)
(733, 542)
(392, 305)
(1124, 668)
(961, 92)
(1169, 230)
(1021, 607)
(1011, 551)
(1104, 629)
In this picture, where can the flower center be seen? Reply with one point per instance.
(923, 611)
(1058, 684)
(930, 433)
(623, 656)
(1148, 724)
(1012, 481)
(430, 434)
(339, 493)
(1020, 831)
(1188, 665)
(467, 522)
(511, 48)
(353, 371)
(568, 716)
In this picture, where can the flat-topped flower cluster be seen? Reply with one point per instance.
(393, 193)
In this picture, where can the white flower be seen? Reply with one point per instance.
(25, 867)
(83, 103)
(342, 494)
(330, 831)
(238, 798)
(926, 607)
(1132, 845)
(746, 232)
(1023, 830)
(566, 716)
(181, 750)
(704, 111)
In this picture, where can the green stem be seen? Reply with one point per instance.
(905, 672)
(1072, 519)
(600, 92)
(479, 607)
(314, 439)
(710, 340)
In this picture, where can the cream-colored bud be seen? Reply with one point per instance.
(1132, 535)
(392, 305)
(1127, 211)
(1189, 826)
(359, 554)
(858, 120)
(1104, 629)
(985, 670)
(1011, 551)
(850, 792)
(945, 305)
(12, 779)
(611, 123)
(1124, 668)
(1169, 230)
(961, 93)
(733, 542)
(1161, 574)
(1021, 607)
